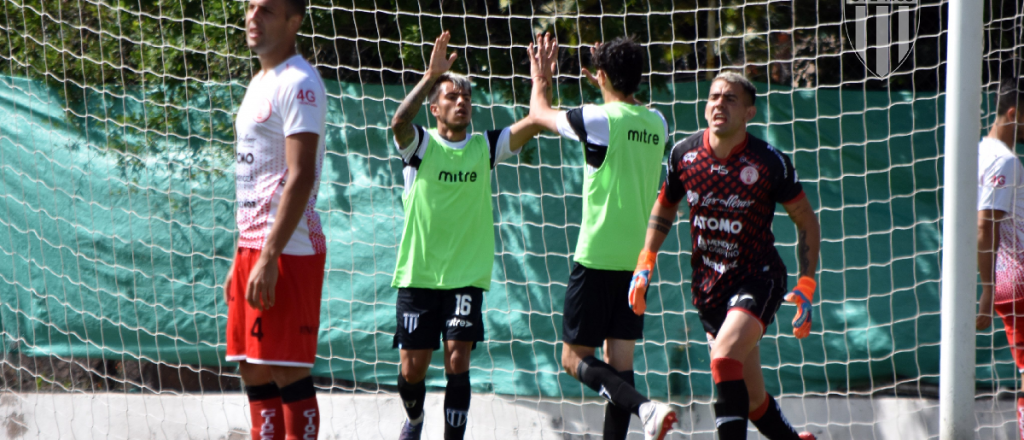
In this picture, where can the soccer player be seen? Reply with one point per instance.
(447, 249)
(732, 181)
(281, 248)
(623, 143)
(1000, 226)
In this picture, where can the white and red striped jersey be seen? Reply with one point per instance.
(286, 100)
(1001, 187)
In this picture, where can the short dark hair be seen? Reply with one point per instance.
(460, 82)
(1009, 94)
(622, 59)
(740, 80)
(298, 6)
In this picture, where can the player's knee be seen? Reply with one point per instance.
(569, 362)
(719, 351)
(285, 376)
(458, 362)
(412, 375)
(254, 374)
(414, 372)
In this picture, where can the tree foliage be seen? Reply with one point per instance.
(137, 72)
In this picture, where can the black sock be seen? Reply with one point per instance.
(262, 392)
(456, 406)
(301, 389)
(733, 404)
(412, 395)
(602, 378)
(772, 423)
(616, 420)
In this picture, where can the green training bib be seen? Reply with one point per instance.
(448, 239)
(618, 197)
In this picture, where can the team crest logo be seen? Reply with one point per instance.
(412, 320)
(264, 111)
(692, 198)
(749, 175)
(455, 417)
(689, 157)
(882, 32)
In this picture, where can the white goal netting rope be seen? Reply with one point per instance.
(117, 194)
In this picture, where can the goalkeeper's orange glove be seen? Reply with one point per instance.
(802, 296)
(641, 279)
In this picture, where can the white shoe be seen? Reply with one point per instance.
(658, 419)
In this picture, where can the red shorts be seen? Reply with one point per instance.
(1013, 320)
(286, 333)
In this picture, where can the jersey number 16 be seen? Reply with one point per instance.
(463, 304)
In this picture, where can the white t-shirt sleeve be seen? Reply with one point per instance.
(997, 187)
(664, 122)
(303, 104)
(589, 119)
(417, 146)
(502, 147)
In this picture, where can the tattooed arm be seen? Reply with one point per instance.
(401, 123)
(808, 236)
(660, 223)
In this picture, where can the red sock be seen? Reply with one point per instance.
(1020, 416)
(267, 419)
(756, 414)
(302, 419)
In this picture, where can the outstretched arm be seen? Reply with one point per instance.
(543, 60)
(808, 236)
(541, 70)
(440, 62)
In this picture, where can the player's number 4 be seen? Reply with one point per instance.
(463, 304)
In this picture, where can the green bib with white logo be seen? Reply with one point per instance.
(448, 240)
(618, 197)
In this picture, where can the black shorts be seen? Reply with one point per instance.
(597, 308)
(758, 297)
(424, 314)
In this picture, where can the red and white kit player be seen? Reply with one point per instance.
(273, 291)
(1001, 225)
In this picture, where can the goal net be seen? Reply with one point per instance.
(117, 211)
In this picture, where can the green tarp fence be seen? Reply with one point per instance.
(103, 260)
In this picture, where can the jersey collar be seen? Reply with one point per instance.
(735, 151)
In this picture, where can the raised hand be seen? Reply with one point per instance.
(543, 57)
(590, 75)
(440, 61)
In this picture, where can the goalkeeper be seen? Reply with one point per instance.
(732, 181)
(623, 143)
(447, 250)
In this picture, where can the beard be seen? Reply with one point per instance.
(455, 125)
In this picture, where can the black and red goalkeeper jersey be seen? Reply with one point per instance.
(732, 205)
